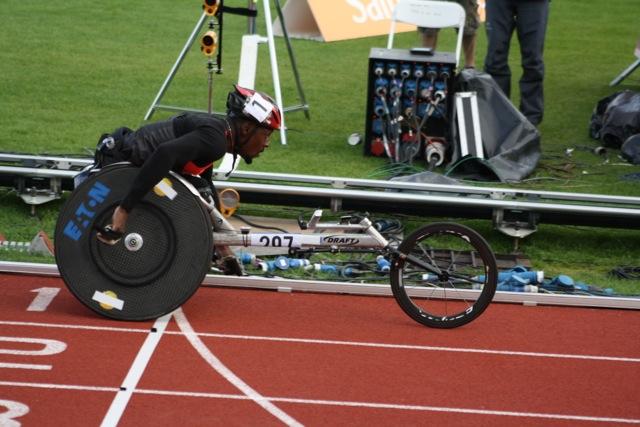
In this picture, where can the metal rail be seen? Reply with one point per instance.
(515, 212)
(290, 285)
(65, 163)
(466, 190)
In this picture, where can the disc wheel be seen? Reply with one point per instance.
(156, 266)
(444, 275)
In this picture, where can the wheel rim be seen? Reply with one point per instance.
(458, 291)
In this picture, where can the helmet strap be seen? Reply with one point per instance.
(228, 134)
(233, 165)
(231, 145)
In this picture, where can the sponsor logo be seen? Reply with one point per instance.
(86, 211)
(341, 240)
(374, 10)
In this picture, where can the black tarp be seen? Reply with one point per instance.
(511, 143)
(616, 118)
(630, 149)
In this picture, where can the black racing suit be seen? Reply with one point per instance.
(196, 138)
(187, 144)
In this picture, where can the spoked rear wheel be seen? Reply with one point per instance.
(444, 275)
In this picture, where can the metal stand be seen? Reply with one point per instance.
(156, 101)
(38, 179)
(274, 69)
(625, 73)
(210, 69)
(274, 66)
(304, 106)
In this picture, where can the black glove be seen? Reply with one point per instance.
(108, 235)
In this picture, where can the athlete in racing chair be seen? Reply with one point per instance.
(188, 144)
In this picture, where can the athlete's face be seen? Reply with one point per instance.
(257, 142)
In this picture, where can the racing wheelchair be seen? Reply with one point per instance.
(442, 275)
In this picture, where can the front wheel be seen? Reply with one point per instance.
(444, 275)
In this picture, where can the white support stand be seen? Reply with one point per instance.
(249, 60)
(274, 68)
(246, 78)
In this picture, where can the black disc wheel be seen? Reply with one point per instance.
(156, 266)
(444, 275)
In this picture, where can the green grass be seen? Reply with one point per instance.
(70, 72)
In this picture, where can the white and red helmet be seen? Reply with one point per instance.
(255, 106)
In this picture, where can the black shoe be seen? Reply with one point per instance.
(230, 266)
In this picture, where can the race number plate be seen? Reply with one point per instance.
(276, 240)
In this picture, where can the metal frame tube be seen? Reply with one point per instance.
(476, 202)
(331, 181)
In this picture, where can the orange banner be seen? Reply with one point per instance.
(331, 20)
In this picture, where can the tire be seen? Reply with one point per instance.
(466, 282)
(157, 265)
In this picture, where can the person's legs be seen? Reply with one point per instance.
(499, 25)
(531, 27)
(469, 49)
(471, 25)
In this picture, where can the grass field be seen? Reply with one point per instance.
(71, 71)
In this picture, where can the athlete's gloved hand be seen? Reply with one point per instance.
(112, 233)
(108, 235)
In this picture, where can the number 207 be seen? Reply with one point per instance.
(276, 241)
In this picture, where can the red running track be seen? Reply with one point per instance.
(249, 357)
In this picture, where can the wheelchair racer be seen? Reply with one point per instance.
(189, 144)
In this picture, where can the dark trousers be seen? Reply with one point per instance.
(529, 19)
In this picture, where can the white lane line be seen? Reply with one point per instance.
(26, 366)
(81, 327)
(457, 410)
(345, 343)
(391, 406)
(58, 386)
(424, 347)
(119, 403)
(216, 364)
